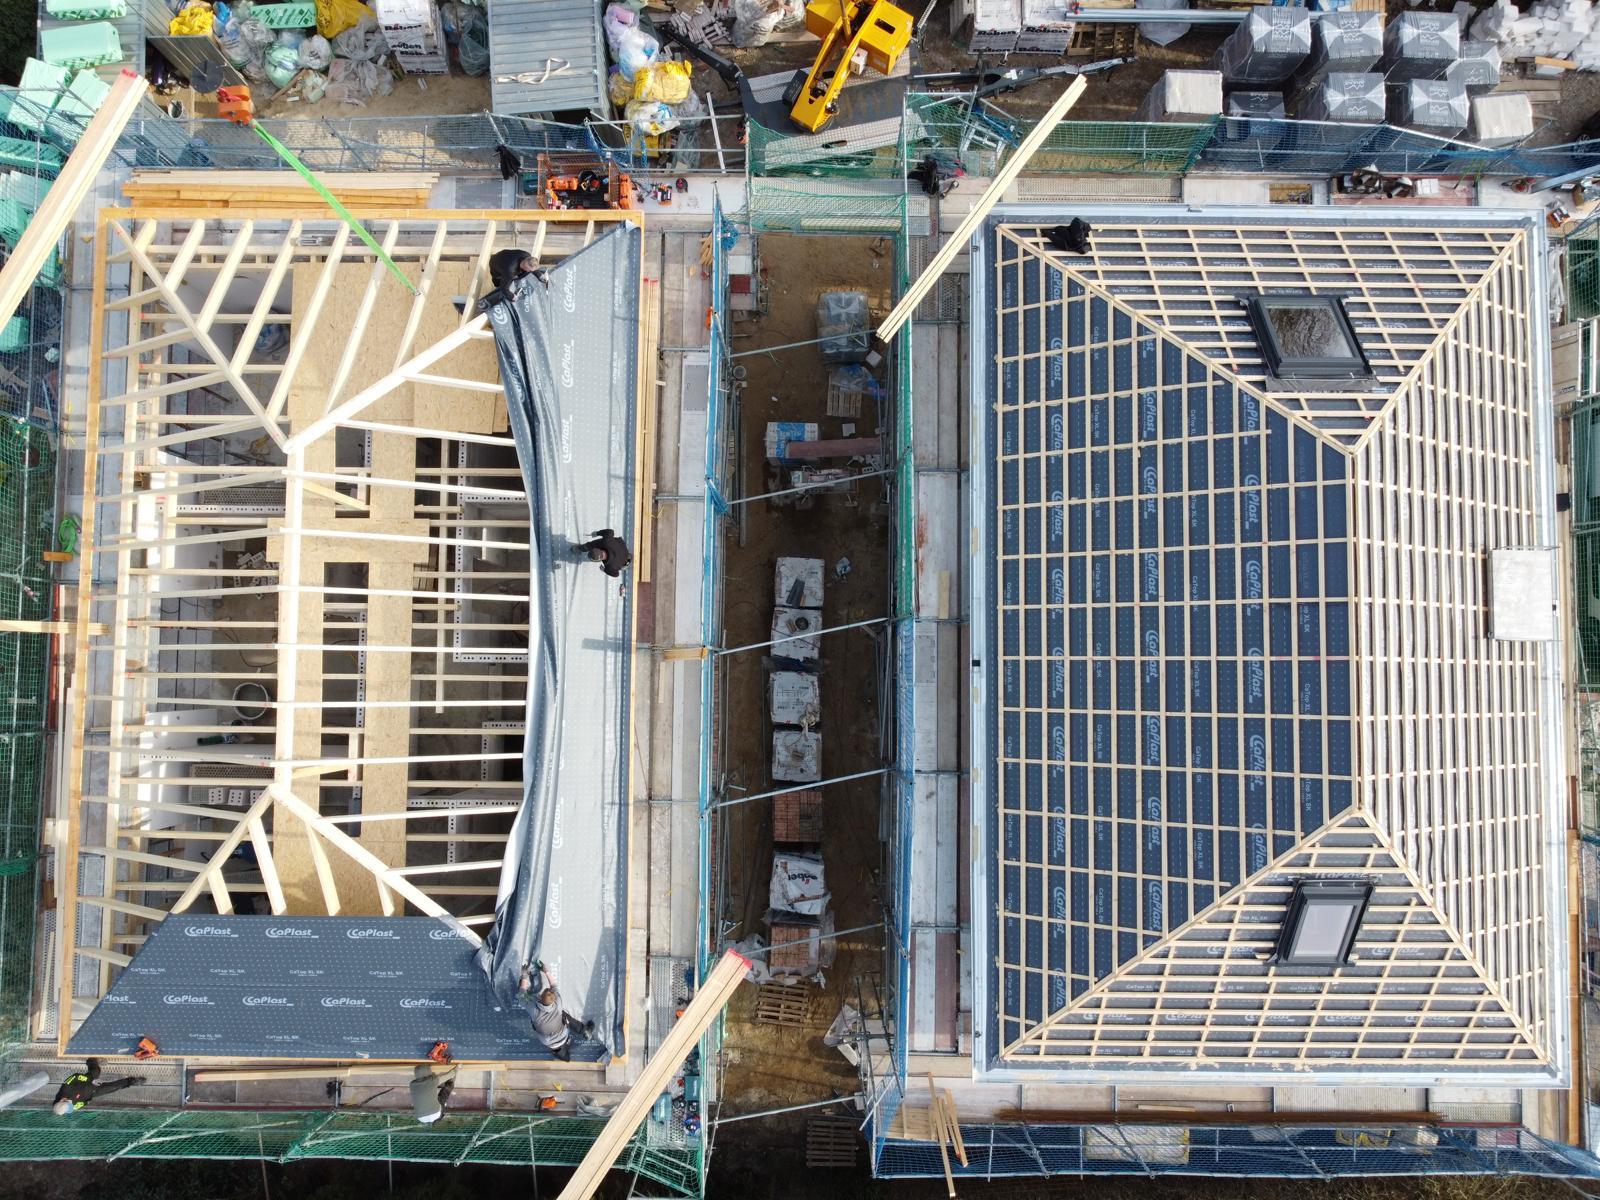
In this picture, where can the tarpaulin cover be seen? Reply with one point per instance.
(568, 356)
(307, 987)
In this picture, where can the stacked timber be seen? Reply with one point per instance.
(273, 191)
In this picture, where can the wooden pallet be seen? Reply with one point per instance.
(782, 1004)
(832, 1142)
(1102, 41)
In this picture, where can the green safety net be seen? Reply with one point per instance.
(1583, 271)
(794, 206)
(872, 151)
(661, 1156)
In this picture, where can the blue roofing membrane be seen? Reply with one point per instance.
(1170, 673)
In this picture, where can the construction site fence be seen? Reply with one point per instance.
(983, 136)
(1259, 1151)
(465, 144)
(512, 1139)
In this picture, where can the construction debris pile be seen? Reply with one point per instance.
(652, 93)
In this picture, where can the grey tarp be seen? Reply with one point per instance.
(306, 987)
(567, 361)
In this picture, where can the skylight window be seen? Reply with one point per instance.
(1321, 924)
(1302, 335)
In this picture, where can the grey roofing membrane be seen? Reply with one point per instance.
(567, 360)
(306, 987)
(529, 36)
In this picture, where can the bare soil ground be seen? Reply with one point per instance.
(772, 1066)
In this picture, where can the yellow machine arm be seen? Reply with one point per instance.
(846, 27)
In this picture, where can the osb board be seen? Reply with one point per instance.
(426, 405)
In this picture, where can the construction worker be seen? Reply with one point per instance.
(610, 551)
(554, 1024)
(82, 1088)
(508, 266)
(430, 1092)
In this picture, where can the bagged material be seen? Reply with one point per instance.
(363, 41)
(754, 22)
(192, 20)
(281, 64)
(473, 48)
(650, 117)
(667, 83)
(256, 34)
(316, 52)
(292, 38)
(618, 20)
(234, 48)
(314, 86)
(798, 885)
(352, 82)
(843, 321)
(690, 108)
(619, 88)
(636, 50)
(336, 16)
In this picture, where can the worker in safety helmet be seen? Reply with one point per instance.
(554, 1025)
(82, 1088)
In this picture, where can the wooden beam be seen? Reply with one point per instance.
(707, 1004)
(331, 1071)
(211, 873)
(96, 628)
(936, 1124)
(956, 243)
(72, 186)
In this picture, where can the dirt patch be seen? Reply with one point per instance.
(771, 1066)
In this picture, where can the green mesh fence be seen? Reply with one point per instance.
(872, 151)
(1130, 148)
(509, 1139)
(1583, 271)
(793, 206)
(981, 138)
(1585, 442)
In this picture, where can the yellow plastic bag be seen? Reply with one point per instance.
(620, 88)
(663, 83)
(335, 16)
(192, 20)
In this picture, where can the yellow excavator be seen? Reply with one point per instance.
(854, 33)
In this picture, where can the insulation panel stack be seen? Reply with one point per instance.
(1183, 96)
(1434, 106)
(1478, 68)
(1349, 96)
(1349, 41)
(1420, 45)
(1266, 48)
